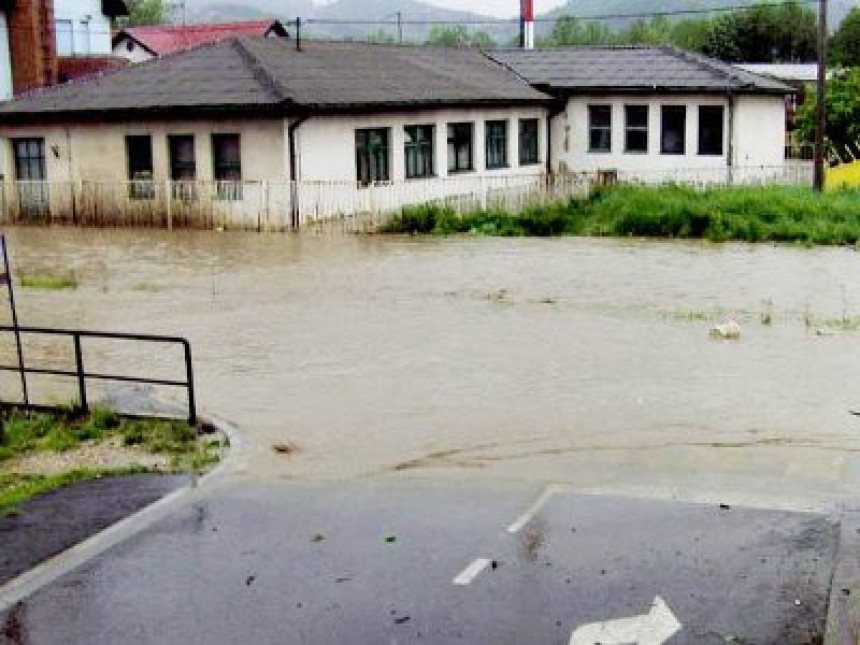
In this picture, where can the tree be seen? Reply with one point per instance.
(845, 48)
(459, 36)
(146, 12)
(843, 111)
(568, 31)
(764, 34)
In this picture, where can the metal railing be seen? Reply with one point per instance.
(82, 375)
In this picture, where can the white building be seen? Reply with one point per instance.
(83, 27)
(651, 111)
(255, 120)
(5, 57)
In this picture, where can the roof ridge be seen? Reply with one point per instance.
(706, 62)
(258, 68)
(201, 26)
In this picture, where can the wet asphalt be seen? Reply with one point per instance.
(376, 562)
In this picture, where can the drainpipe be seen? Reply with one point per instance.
(730, 151)
(294, 175)
(556, 108)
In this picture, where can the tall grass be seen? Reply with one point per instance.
(778, 214)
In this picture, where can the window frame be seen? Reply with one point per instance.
(496, 144)
(373, 158)
(227, 188)
(592, 128)
(459, 141)
(664, 112)
(182, 188)
(420, 151)
(40, 158)
(139, 188)
(528, 160)
(722, 130)
(639, 129)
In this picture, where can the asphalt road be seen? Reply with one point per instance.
(399, 562)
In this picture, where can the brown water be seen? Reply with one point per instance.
(579, 361)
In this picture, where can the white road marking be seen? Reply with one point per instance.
(472, 571)
(533, 510)
(653, 628)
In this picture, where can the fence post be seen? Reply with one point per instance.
(169, 198)
(189, 372)
(79, 368)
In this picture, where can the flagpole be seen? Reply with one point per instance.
(8, 277)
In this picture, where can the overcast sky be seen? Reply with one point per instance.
(500, 8)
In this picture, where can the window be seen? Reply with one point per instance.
(460, 157)
(711, 130)
(636, 128)
(138, 151)
(497, 144)
(227, 166)
(183, 166)
(419, 151)
(371, 154)
(674, 127)
(529, 152)
(65, 37)
(29, 159)
(600, 128)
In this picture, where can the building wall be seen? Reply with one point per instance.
(759, 134)
(97, 152)
(81, 28)
(326, 145)
(5, 60)
(760, 130)
(32, 45)
(130, 50)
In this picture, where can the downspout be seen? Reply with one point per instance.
(730, 152)
(294, 175)
(556, 108)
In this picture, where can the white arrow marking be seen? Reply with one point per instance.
(653, 628)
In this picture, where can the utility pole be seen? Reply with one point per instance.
(820, 103)
(400, 27)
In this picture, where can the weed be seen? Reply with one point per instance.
(49, 282)
(775, 214)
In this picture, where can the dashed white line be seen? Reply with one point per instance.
(533, 510)
(472, 571)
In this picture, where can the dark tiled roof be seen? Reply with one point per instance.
(256, 74)
(628, 69)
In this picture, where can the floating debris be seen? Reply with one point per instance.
(317, 537)
(249, 580)
(284, 448)
(729, 330)
(390, 539)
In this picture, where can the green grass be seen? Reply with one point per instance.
(15, 489)
(49, 282)
(66, 429)
(773, 214)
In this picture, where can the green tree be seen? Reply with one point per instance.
(843, 110)
(845, 48)
(458, 36)
(569, 31)
(764, 34)
(381, 37)
(145, 12)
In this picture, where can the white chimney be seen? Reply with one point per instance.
(527, 18)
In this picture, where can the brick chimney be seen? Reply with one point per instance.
(33, 45)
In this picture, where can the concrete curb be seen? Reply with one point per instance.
(28, 583)
(843, 614)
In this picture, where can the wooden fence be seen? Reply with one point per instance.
(280, 206)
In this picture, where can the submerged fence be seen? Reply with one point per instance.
(279, 206)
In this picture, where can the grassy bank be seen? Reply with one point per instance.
(41, 452)
(777, 214)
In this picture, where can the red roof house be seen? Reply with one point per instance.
(138, 44)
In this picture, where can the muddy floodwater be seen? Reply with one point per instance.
(582, 362)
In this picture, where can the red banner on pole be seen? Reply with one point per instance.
(528, 10)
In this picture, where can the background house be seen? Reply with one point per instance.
(647, 112)
(138, 44)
